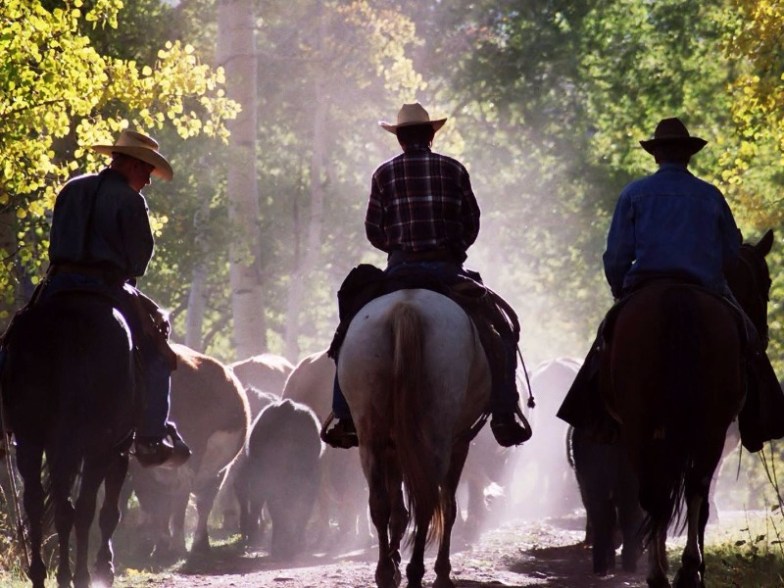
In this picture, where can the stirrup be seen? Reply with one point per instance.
(342, 435)
(509, 432)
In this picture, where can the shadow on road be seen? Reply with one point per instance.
(567, 566)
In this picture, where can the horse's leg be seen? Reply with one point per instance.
(29, 460)
(630, 519)
(697, 490)
(688, 575)
(602, 514)
(63, 522)
(443, 566)
(109, 517)
(387, 570)
(63, 466)
(92, 476)
(398, 520)
(629, 514)
(704, 518)
(657, 557)
(415, 570)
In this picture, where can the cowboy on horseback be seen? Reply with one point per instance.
(673, 225)
(422, 212)
(100, 242)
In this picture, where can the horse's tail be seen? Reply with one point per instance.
(417, 459)
(670, 448)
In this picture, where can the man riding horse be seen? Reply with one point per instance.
(100, 242)
(672, 225)
(423, 214)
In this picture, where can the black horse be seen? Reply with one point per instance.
(609, 491)
(68, 391)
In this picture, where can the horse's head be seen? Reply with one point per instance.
(750, 282)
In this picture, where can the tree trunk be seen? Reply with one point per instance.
(307, 263)
(237, 54)
(197, 297)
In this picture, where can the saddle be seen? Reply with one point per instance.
(492, 316)
(583, 407)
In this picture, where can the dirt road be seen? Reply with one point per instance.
(546, 554)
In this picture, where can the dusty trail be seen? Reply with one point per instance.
(543, 553)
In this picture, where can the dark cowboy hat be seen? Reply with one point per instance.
(672, 131)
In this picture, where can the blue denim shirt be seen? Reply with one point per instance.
(670, 223)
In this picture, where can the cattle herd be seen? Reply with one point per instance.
(260, 471)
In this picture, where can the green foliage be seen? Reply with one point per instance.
(757, 560)
(60, 94)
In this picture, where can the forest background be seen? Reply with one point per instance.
(268, 111)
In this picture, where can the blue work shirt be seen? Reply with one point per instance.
(670, 224)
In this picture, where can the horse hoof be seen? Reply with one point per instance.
(688, 579)
(105, 579)
(442, 582)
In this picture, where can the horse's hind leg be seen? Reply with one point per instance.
(64, 522)
(387, 568)
(398, 520)
(697, 490)
(689, 575)
(415, 570)
(29, 461)
(109, 518)
(443, 565)
(657, 557)
(85, 513)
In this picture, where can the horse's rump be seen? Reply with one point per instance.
(416, 377)
(70, 371)
(673, 379)
(447, 361)
(670, 336)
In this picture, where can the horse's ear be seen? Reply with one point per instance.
(765, 244)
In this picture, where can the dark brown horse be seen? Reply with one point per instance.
(68, 392)
(673, 379)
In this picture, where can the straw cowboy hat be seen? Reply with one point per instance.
(140, 147)
(410, 115)
(671, 131)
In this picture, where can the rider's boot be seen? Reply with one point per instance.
(342, 433)
(507, 429)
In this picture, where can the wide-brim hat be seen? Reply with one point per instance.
(142, 147)
(411, 115)
(672, 131)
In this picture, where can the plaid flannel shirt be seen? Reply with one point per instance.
(421, 201)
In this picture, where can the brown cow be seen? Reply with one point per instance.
(211, 410)
(266, 372)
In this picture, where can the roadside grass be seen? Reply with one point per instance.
(744, 550)
(757, 564)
